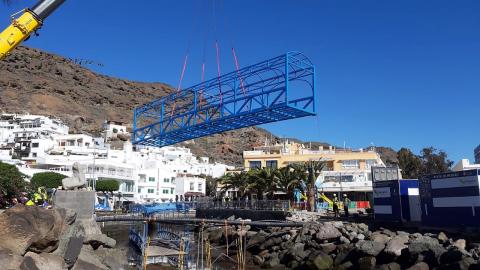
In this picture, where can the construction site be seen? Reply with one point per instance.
(201, 166)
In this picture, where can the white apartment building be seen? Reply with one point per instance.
(190, 187)
(113, 128)
(148, 174)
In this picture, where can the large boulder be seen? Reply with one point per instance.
(96, 240)
(327, 231)
(33, 228)
(10, 260)
(380, 238)
(367, 263)
(42, 261)
(371, 248)
(396, 245)
(425, 243)
(322, 261)
(82, 265)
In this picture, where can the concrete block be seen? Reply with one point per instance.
(80, 201)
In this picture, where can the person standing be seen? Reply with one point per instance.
(346, 203)
(335, 205)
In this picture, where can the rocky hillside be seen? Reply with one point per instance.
(36, 82)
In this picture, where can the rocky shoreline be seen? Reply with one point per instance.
(33, 238)
(339, 245)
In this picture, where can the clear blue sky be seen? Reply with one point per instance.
(395, 73)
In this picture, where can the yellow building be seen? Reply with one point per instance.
(280, 155)
(348, 171)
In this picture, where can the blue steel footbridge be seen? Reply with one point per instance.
(274, 90)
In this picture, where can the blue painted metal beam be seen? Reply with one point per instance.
(274, 90)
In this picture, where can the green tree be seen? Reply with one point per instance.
(12, 181)
(107, 185)
(239, 181)
(210, 185)
(47, 179)
(308, 172)
(288, 180)
(410, 164)
(263, 181)
(435, 161)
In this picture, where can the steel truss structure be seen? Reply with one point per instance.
(274, 90)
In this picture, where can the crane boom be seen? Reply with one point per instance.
(22, 27)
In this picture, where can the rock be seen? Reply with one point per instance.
(326, 232)
(360, 237)
(380, 238)
(256, 240)
(274, 261)
(388, 232)
(426, 243)
(231, 218)
(328, 248)
(451, 256)
(343, 252)
(419, 266)
(9, 260)
(370, 247)
(286, 237)
(363, 227)
(390, 266)
(338, 224)
(460, 244)
(344, 266)
(82, 265)
(367, 263)
(96, 240)
(42, 261)
(32, 228)
(442, 237)
(323, 262)
(116, 258)
(297, 252)
(396, 245)
(72, 251)
(88, 255)
(258, 260)
(344, 240)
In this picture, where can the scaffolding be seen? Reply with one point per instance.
(274, 90)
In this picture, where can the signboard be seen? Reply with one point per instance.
(384, 174)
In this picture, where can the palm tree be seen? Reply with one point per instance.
(288, 180)
(237, 181)
(263, 181)
(309, 171)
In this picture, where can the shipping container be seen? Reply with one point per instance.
(396, 201)
(450, 199)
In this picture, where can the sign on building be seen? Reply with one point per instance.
(385, 173)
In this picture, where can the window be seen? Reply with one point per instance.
(173, 180)
(34, 154)
(151, 179)
(142, 177)
(369, 163)
(139, 190)
(199, 186)
(166, 180)
(165, 191)
(192, 186)
(272, 164)
(350, 164)
(151, 190)
(255, 164)
(172, 190)
(35, 145)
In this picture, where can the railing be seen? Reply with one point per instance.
(274, 205)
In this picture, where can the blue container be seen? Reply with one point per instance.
(450, 199)
(396, 201)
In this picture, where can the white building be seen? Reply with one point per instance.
(113, 128)
(190, 186)
(464, 165)
(148, 174)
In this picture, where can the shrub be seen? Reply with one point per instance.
(107, 185)
(12, 181)
(47, 179)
